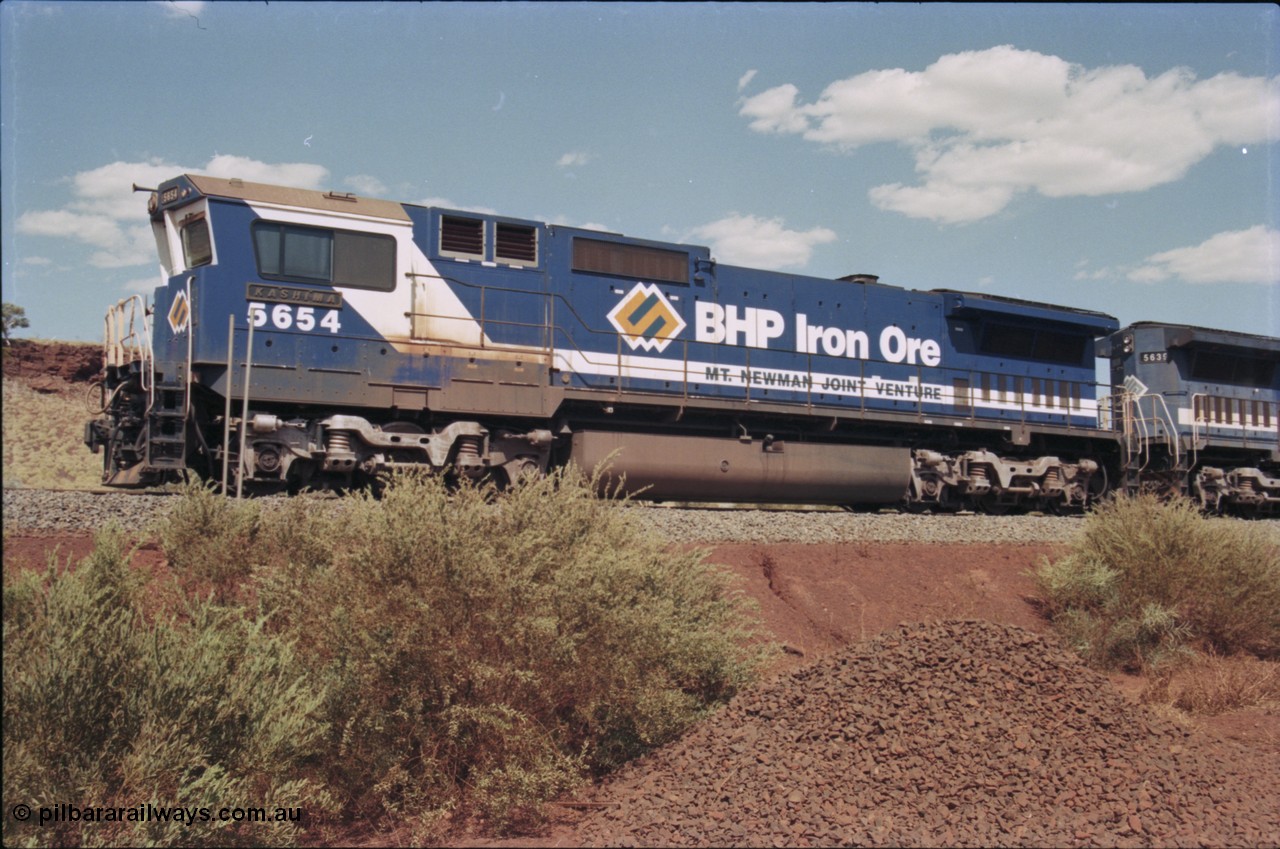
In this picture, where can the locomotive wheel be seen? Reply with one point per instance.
(521, 469)
(991, 505)
(912, 503)
(1210, 502)
(1099, 487)
(1057, 507)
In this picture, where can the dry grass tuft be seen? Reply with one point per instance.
(44, 436)
(1218, 685)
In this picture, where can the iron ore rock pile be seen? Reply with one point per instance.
(961, 733)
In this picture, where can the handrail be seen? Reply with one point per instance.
(226, 416)
(191, 336)
(244, 415)
(1172, 430)
(1197, 413)
(124, 344)
(1198, 416)
(1138, 425)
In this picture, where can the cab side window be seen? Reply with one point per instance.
(197, 247)
(320, 255)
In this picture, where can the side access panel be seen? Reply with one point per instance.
(498, 387)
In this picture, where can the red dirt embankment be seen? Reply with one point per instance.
(70, 361)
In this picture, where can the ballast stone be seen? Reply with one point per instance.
(959, 733)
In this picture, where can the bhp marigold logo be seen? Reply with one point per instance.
(179, 313)
(646, 319)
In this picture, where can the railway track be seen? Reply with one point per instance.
(89, 510)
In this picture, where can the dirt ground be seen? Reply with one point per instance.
(813, 599)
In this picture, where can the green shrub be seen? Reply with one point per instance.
(486, 649)
(432, 651)
(103, 708)
(1149, 580)
(296, 533)
(208, 539)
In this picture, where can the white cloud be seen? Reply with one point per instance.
(573, 159)
(182, 8)
(987, 125)
(564, 221)
(745, 79)
(105, 213)
(298, 175)
(107, 191)
(940, 201)
(36, 260)
(761, 242)
(118, 245)
(1098, 274)
(446, 203)
(775, 111)
(1239, 256)
(366, 185)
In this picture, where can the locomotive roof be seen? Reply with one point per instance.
(306, 198)
(1179, 335)
(975, 301)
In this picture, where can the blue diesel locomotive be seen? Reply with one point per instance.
(1195, 411)
(317, 339)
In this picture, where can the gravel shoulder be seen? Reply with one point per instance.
(54, 510)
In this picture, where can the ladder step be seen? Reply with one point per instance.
(168, 450)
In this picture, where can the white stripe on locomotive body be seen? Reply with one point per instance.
(389, 313)
(1187, 419)
(447, 318)
(631, 366)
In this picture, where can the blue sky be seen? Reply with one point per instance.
(1119, 158)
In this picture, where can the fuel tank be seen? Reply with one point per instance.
(698, 468)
